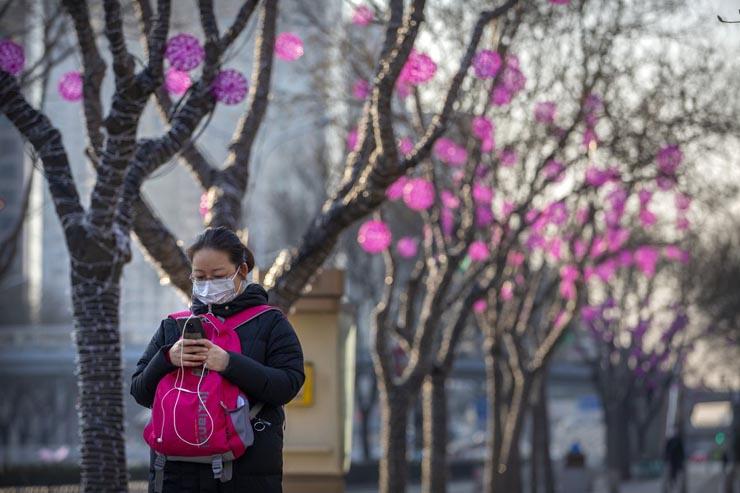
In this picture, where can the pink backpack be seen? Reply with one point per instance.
(199, 416)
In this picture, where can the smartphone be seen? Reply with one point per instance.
(193, 328)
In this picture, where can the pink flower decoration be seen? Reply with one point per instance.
(288, 46)
(507, 207)
(544, 112)
(482, 127)
(645, 197)
(616, 237)
(683, 223)
(480, 306)
(12, 58)
(513, 79)
(374, 236)
(554, 248)
(486, 64)
(507, 291)
(488, 144)
(596, 177)
(666, 183)
(449, 199)
(418, 194)
(203, 207)
(646, 258)
(362, 16)
(647, 218)
(625, 258)
(508, 157)
(483, 216)
(606, 270)
(352, 140)
(177, 81)
(672, 252)
(184, 52)
(554, 170)
(419, 68)
(449, 152)
(406, 145)
(482, 194)
(360, 89)
(407, 247)
(229, 87)
(669, 159)
(683, 202)
(568, 276)
(478, 251)
(395, 190)
(501, 96)
(70, 86)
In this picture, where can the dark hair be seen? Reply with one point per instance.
(223, 239)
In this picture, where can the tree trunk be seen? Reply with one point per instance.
(434, 462)
(494, 383)
(617, 444)
(394, 413)
(541, 461)
(95, 298)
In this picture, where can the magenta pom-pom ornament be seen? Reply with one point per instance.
(407, 247)
(184, 52)
(374, 236)
(486, 64)
(12, 58)
(288, 47)
(70, 86)
(418, 194)
(230, 86)
(177, 82)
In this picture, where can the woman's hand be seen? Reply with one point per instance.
(216, 358)
(188, 352)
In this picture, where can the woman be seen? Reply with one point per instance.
(269, 368)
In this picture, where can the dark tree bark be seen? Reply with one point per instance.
(436, 433)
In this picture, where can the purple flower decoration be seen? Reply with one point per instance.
(478, 251)
(544, 111)
(360, 89)
(669, 159)
(449, 152)
(419, 68)
(395, 190)
(406, 145)
(352, 140)
(362, 16)
(288, 46)
(486, 64)
(418, 194)
(374, 236)
(177, 81)
(229, 86)
(12, 58)
(482, 127)
(554, 170)
(184, 52)
(480, 306)
(70, 86)
(646, 258)
(407, 247)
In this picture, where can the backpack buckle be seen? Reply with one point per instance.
(217, 464)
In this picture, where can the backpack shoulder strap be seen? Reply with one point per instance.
(180, 314)
(254, 411)
(247, 314)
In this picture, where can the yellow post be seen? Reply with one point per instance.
(318, 421)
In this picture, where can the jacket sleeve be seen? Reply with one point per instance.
(280, 378)
(152, 366)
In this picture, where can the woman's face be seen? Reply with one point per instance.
(215, 264)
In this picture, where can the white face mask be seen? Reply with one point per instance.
(216, 291)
